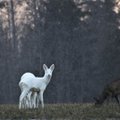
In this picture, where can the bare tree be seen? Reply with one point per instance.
(11, 23)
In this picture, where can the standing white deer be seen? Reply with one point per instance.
(29, 81)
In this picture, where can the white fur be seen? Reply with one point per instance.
(28, 81)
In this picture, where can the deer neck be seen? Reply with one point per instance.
(46, 79)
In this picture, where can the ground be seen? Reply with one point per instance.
(63, 112)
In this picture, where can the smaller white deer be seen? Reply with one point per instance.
(34, 98)
(29, 81)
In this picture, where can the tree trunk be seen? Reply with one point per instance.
(11, 23)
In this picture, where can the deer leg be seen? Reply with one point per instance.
(22, 96)
(116, 97)
(29, 99)
(26, 102)
(38, 98)
(41, 98)
(34, 99)
(32, 95)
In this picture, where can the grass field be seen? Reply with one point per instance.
(63, 112)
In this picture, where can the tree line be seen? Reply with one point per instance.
(81, 37)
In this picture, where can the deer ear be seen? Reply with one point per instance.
(45, 67)
(52, 67)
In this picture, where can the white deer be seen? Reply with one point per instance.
(29, 81)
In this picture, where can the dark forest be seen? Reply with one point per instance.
(81, 37)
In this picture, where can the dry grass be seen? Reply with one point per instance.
(63, 112)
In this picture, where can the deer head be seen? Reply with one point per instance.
(99, 100)
(48, 71)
